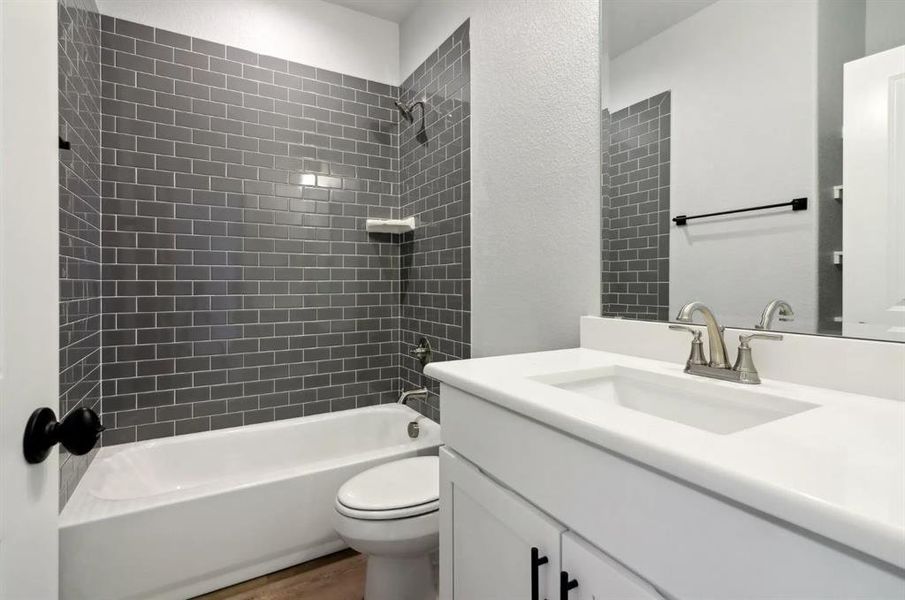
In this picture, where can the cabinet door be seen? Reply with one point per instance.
(598, 577)
(486, 539)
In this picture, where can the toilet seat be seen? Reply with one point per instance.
(396, 490)
(386, 515)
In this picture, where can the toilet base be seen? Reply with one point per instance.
(400, 578)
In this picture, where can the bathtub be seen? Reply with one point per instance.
(181, 516)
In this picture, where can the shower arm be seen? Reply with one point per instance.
(410, 108)
(421, 104)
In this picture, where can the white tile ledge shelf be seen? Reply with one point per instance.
(390, 225)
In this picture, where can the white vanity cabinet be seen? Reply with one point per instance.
(496, 546)
(619, 529)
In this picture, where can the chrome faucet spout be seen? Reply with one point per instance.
(718, 354)
(419, 394)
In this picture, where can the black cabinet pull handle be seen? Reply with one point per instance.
(566, 584)
(78, 432)
(536, 561)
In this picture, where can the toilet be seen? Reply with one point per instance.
(390, 514)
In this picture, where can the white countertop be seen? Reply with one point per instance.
(837, 470)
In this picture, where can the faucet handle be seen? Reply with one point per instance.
(744, 363)
(696, 357)
(744, 339)
(695, 332)
(423, 352)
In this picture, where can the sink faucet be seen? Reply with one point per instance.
(718, 355)
(718, 367)
(776, 307)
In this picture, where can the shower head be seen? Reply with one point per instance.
(405, 111)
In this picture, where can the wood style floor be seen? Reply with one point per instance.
(340, 576)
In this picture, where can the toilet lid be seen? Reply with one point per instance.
(398, 489)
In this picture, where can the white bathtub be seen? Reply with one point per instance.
(177, 517)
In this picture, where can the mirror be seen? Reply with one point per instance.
(725, 177)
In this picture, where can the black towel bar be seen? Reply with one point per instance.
(796, 204)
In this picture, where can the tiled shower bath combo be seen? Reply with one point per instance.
(239, 284)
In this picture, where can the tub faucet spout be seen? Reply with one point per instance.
(419, 394)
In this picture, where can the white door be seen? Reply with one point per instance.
(492, 543)
(28, 293)
(596, 576)
(873, 221)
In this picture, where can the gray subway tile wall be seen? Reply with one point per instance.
(605, 234)
(436, 257)
(80, 220)
(239, 284)
(635, 210)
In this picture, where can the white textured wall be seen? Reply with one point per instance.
(535, 160)
(306, 31)
(885, 25)
(743, 81)
(605, 8)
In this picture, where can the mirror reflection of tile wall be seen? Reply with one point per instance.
(635, 210)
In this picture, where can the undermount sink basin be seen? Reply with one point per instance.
(696, 402)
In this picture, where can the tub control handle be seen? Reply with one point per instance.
(422, 352)
(536, 561)
(78, 432)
